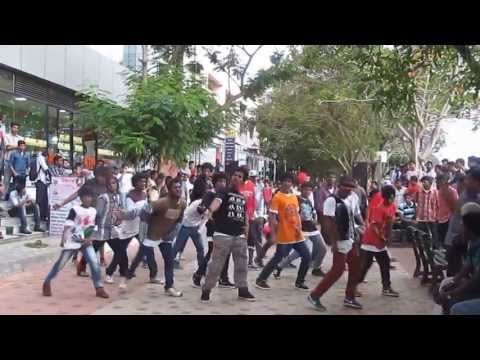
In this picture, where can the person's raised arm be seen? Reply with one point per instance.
(66, 201)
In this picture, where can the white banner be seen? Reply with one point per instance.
(60, 189)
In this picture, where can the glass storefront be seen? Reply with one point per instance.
(44, 125)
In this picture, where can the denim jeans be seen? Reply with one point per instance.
(318, 252)
(21, 212)
(468, 307)
(167, 253)
(88, 253)
(182, 238)
(282, 251)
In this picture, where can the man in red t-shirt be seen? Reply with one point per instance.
(376, 237)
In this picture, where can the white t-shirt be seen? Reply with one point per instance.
(126, 183)
(329, 207)
(79, 218)
(411, 173)
(11, 140)
(399, 196)
(191, 217)
(130, 228)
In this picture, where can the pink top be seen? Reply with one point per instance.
(444, 212)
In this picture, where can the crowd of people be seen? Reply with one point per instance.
(242, 216)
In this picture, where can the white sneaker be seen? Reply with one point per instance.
(173, 292)
(157, 281)
(123, 284)
(109, 280)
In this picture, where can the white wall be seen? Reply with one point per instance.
(73, 66)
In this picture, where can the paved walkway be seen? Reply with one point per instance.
(20, 293)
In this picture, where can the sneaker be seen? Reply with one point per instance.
(262, 284)
(196, 281)
(290, 265)
(38, 229)
(176, 265)
(109, 279)
(390, 292)
(315, 303)
(277, 273)
(123, 284)
(82, 273)
(253, 267)
(318, 272)
(226, 284)
(156, 280)
(259, 262)
(25, 231)
(205, 296)
(244, 294)
(352, 303)
(172, 292)
(301, 286)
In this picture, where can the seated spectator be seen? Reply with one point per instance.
(413, 186)
(20, 162)
(465, 285)
(57, 168)
(408, 209)
(19, 203)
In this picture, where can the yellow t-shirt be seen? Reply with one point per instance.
(289, 229)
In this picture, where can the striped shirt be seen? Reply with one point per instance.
(427, 205)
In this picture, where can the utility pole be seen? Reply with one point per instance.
(144, 62)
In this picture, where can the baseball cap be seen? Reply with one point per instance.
(470, 208)
(253, 173)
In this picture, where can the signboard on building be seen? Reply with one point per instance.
(229, 150)
(60, 189)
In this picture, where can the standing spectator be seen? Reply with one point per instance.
(412, 170)
(399, 193)
(192, 169)
(152, 179)
(444, 162)
(11, 143)
(259, 197)
(41, 184)
(19, 203)
(3, 121)
(363, 199)
(267, 194)
(413, 186)
(429, 171)
(159, 190)
(57, 168)
(116, 173)
(125, 183)
(319, 197)
(447, 200)
(20, 162)
(201, 182)
(408, 210)
(248, 190)
(218, 166)
(427, 209)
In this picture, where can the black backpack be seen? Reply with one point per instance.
(33, 173)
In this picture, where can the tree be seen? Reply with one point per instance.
(320, 114)
(419, 86)
(166, 116)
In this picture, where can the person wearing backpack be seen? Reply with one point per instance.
(39, 174)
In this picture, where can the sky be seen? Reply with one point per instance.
(460, 138)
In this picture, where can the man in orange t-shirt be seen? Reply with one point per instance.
(286, 233)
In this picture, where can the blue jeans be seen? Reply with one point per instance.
(318, 252)
(468, 307)
(88, 253)
(282, 251)
(182, 238)
(167, 253)
(21, 212)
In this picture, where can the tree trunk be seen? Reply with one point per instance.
(178, 54)
(144, 62)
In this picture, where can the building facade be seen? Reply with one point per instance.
(39, 87)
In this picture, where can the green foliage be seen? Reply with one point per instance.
(165, 116)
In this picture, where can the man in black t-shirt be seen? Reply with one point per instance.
(231, 226)
(220, 182)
